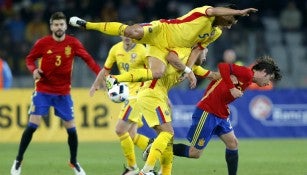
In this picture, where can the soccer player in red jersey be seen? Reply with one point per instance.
(55, 54)
(211, 114)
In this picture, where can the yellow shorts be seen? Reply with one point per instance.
(154, 107)
(130, 112)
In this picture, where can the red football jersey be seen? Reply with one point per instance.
(56, 61)
(218, 96)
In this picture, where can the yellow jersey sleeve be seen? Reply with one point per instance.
(200, 71)
(111, 59)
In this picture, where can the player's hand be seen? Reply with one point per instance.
(215, 76)
(248, 11)
(236, 93)
(192, 79)
(93, 89)
(98, 84)
(37, 74)
(234, 79)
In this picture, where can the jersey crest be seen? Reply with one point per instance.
(133, 57)
(67, 51)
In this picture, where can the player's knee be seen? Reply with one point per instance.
(132, 134)
(119, 131)
(157, 73)
(233, 144)
(135, 32)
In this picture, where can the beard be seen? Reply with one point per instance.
(59, 33)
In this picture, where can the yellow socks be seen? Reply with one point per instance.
(167, 159)
(135, 75)
(109, 28)
(141, 141)
(157, 149)
(128, 149)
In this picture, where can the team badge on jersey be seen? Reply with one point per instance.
(67, 51)
(133, 57)
(166, 112)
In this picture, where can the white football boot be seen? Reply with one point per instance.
(77, 22)
(77, 169)
(16, 168)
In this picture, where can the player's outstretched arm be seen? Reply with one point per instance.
(223, 11)
(99, 82)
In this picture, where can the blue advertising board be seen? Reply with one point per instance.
(258, 114)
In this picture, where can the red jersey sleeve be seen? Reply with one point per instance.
(86, 57)
(34, 54)
(226, 70)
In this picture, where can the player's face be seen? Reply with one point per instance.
(127, 41)
(58, 27)
(202, 57)
(225, 21)
(261, 78)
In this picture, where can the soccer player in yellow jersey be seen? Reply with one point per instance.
(152, 100)
(126, 55)
(200, 26)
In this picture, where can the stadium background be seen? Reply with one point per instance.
(23, 21)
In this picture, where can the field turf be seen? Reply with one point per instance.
(257, 157)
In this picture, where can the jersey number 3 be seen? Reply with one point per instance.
(58, 60)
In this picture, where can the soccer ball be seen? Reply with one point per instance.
(119, 93)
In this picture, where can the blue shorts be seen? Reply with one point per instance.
(62, 104)
(204, 126)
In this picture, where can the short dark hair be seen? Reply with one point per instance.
(231, 6)
(268, 64)
(57, 16)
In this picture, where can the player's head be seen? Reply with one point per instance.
(229, 56)
(128, 42)
(226, 21)
(265, 70)
(58, 24)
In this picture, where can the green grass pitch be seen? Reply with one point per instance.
(256, 157)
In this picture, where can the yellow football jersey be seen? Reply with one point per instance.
(194, 28)
(152, 99)
(172, 75)
(133, 59)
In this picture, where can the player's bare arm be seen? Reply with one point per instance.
(223, 11)
(173, 59)
(195, 54)
(99, 82)
(214, 75)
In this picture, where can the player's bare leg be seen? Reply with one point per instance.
(231, 153)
